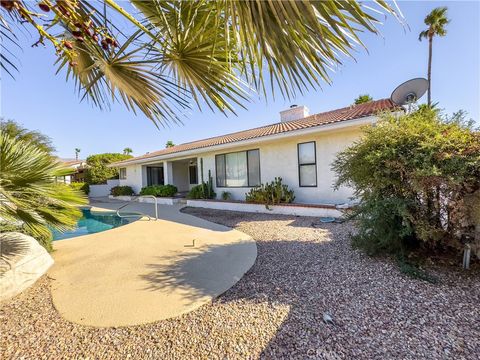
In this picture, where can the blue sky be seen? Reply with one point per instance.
(40, 100)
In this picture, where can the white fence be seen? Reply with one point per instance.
(104, 189)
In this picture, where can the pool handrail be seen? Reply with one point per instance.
(134, 199)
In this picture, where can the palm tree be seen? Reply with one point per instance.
(127, 151)
(436, 21)
(29, 193)
(169, 144)
(17, 131)
(214, 53)
(77, 151)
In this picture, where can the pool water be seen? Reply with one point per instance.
(93, 223)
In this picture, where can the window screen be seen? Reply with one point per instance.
(253, 167)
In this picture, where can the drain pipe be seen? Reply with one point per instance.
(466, 256)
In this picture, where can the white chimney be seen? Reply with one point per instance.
(294, 113)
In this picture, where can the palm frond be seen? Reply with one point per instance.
(215, 53)
(29, 193)
(106, 77)
(7, 36)
(291, 45)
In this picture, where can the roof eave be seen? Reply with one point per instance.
(319, 128)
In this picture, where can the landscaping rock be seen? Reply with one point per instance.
(276, 310)
(22, 261)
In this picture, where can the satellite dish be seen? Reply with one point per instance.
(410, 91)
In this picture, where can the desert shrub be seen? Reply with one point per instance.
(270, 193)
(98, 172)
(226, 195)
(121, 190)
(44, 238)
(203, 190)
(81, 186)
(415, 176)
(159, 190)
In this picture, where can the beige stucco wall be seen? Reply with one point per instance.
(136, 177)
(279, 158)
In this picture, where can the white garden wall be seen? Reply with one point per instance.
(102, 190)
(296, 210)
(160, 200)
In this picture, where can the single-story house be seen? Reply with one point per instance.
(78, 167)
(299, 149)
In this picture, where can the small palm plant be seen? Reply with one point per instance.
(30, 196)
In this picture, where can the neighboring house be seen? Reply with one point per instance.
(78, 170)
(299, 149)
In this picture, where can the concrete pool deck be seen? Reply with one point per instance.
(147, 270)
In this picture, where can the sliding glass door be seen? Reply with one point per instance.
(155, 175)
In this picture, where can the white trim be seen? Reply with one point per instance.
(297, 210)
(160, 200)
(315, 129)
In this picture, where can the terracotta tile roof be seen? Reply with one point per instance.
(329, 117)
(71, 162)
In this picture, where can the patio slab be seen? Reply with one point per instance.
(147, 270)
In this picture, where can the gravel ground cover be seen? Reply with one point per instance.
(304, 269)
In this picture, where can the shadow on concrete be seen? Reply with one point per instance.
(200, 272)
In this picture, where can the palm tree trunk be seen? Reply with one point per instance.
(430, 41)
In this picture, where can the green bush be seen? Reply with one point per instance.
(203, 190)
(270, 193)
(226, 195)
(44, 239)
(98, 172)
(81, 186)
(121, 191)
(159, 190)
(416, 177)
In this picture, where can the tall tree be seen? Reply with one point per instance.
(169, 144)
(127, 151)
(98, 171)
(177, 52)
(17, 131)
(436, 21)
(29, 192)
(77, 151)
(363, 98)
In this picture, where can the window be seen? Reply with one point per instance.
(122, 173)
(238, 169)
(192, 169)
(154, 175)
(307, 164)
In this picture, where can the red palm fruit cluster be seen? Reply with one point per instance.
(44, 6)
(68, 45)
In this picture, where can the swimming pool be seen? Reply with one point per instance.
(93, 223)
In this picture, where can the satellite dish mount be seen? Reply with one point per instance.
(409, 92)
